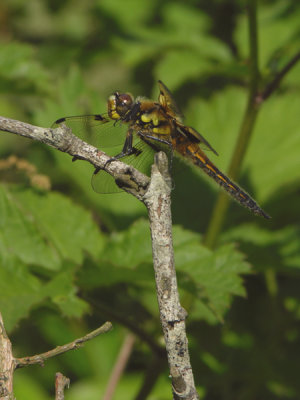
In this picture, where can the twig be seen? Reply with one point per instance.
(172, 315)
(273, 85)
(131, 180)
(120, 365)
(60, 383)
(7, 365)
(40, 358)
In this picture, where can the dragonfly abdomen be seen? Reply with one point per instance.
(201, 160)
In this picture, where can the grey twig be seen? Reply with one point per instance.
(62, 139)
(40, 358)
(172, 315)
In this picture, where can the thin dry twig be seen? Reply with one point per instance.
(40, 358)
(120, 365)
(8, 363)
(61, 382)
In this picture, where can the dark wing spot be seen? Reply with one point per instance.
(99, 117)
(60, 120)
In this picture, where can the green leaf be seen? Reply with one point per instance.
(218, 119)
(19, 69)
(273, 151)
(211, 277)
(273, 146)
(67, 227)
(19, 290)
(126, 257)
(276, 249)
(129, 248)
(189, 65)
(119, 11)
(274, 32)
(62, 292)
(20, 235)
(44, 229)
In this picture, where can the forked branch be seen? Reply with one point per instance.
(8, 364)
(156, 197)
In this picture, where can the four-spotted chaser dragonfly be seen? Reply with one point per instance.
(143, 125)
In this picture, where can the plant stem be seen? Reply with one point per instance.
(246, 129)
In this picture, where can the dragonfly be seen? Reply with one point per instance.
(145, 126)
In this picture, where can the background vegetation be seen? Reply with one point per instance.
(71, 259)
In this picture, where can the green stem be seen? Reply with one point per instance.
(246, 129)
(271, 282)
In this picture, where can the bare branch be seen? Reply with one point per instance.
(7, 365)
(40, 358)
(60, 383)
(130, 179)
(172, 315)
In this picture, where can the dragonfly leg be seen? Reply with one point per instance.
(127, 150)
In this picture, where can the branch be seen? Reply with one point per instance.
(156, 197)
(7, 365)
(40, 358)
(130, 179)
(172, 315)
(273, 85)
(60, 383)
(120, 366)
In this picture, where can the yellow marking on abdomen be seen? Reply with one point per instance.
(210, 167)
(221, 177)
(200, 158)
(232, 187)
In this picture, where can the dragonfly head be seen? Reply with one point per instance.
(119, 104)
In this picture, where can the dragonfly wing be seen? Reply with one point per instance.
(194, 136)
(142, 159)
(97, 129)
(168, 103)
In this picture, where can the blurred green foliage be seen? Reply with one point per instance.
(71, 259)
